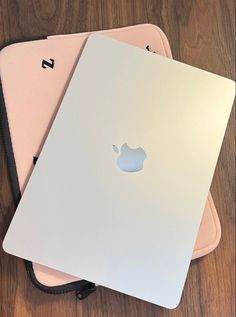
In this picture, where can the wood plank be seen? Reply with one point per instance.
(201, 33)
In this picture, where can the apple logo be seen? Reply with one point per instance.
(130, 160)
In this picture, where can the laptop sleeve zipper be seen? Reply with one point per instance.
(82, 288)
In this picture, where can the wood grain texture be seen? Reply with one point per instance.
(201, 33)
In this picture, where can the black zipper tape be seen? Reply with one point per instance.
(35, 38)
(8, 149)
(83, 288)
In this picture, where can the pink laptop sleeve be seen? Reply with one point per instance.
(34, 77)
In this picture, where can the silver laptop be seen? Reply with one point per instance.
(119, 189)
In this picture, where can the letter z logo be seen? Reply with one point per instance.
(48, 63)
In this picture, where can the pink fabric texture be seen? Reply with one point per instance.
(32, 96)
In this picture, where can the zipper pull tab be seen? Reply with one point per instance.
(35, 158)
(85, 291)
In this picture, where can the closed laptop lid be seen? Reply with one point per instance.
(131, 152)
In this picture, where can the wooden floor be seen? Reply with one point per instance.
(201, 33)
